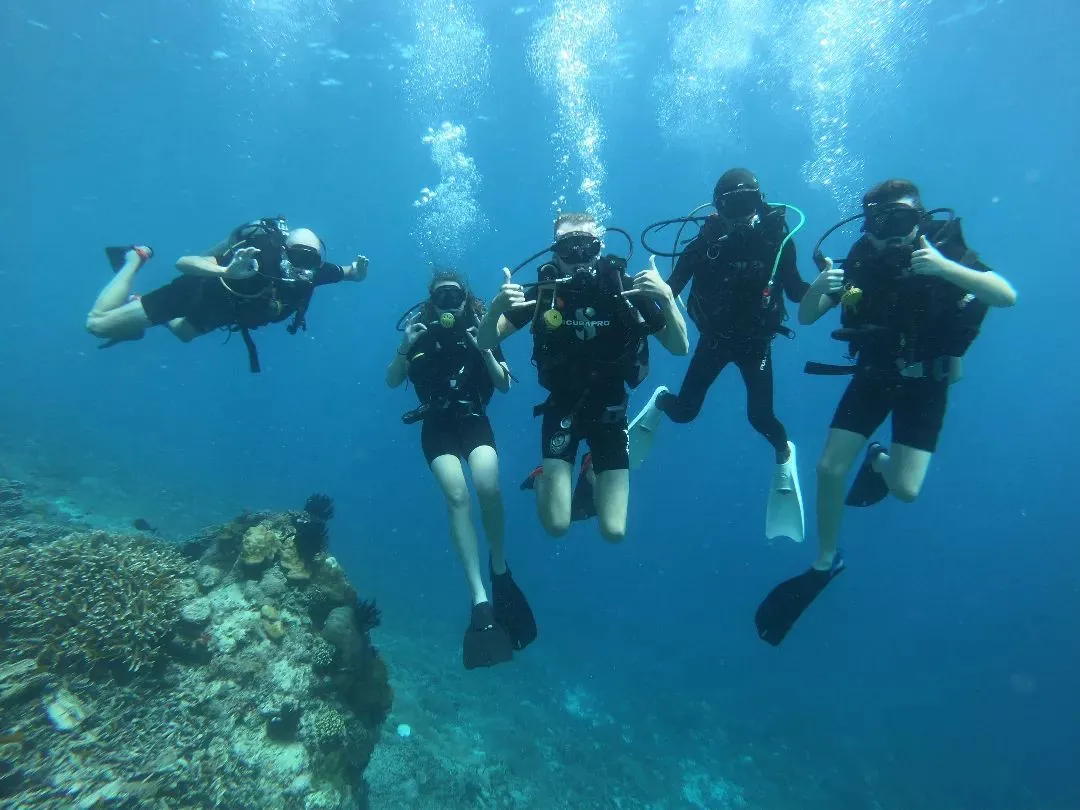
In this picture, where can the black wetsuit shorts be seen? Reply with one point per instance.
(917, 407)
(599, 420)
(449, 432)
(202, 301)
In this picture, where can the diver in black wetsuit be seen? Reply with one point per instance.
(454, 381)
(740, 266)
(263, 273)
(912, 296)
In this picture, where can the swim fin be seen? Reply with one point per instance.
(118, 255)
(486, 641)
(642, 431)
(784, 515)
(530, 482)
(777, 614)
(583, 504)
(869, 487)
(512, 610)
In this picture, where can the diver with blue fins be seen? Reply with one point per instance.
(912, 298)
(454, 381)
(740, 266)
(590, 324)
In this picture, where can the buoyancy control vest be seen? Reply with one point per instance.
(910, 318)
(729, 293)
(448, 371)
(272, 295)
(586, 334)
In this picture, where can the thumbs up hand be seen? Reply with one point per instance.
(511, 296)
(927, 259)
(648, 284)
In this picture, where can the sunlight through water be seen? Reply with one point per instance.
(446, 80)
(572, 43)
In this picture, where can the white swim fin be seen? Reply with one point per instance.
(784, 516)
(642, 430)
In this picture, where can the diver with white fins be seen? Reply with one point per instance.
(740, 265)
(912, 298)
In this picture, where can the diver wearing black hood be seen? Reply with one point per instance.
(912, 297)
(740, 266)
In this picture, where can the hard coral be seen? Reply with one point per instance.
(261, 545)
(90, 599)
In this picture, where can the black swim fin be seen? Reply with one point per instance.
(789, 600)
(512, 610)
(869, 487)
(486, 641)
(530, 482)
(582, 504)
(118, 255)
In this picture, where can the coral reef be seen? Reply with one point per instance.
(89, 600)
(206, 674)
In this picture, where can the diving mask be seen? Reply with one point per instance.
(448, 298)
(739, 204)
(304, 257)
(300, 263)
(577, 247)
(894, 221)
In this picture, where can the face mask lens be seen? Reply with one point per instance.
(304, 257)
(894, 222)
(448, 297)
(577, 248)
(739, 204)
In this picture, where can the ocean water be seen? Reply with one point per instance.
(939, 672)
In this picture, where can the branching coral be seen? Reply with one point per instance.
(90, 599)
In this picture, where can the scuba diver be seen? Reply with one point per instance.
(263, 273)
(455, 380)
(741, 264)
(590, 323)
(913, 296)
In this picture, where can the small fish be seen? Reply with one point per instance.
(9, 739)
(144, 526)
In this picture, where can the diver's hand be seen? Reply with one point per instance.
(648, 284)
(927, 259)
(357, 271)
(470, 335)
(243, 264)
(412, 334)
(511, 296)
(830, 281)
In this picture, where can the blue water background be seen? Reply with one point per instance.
(944, 661)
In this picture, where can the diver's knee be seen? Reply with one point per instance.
(906, 491)
(555, 526)
(831, 469)
(95, 326)
(613, 531)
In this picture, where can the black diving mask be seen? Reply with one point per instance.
(893, 221)
(448, 298)
(739, 204)
(304, 257)
(577, 247)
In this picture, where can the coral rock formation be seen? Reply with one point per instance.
(208, 674)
